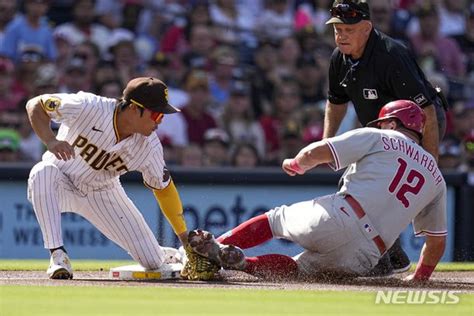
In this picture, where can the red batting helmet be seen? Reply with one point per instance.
(409, 114)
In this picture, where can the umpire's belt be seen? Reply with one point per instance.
(367, 226)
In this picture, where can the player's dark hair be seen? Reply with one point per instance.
(124, 103)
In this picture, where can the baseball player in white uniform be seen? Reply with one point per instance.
(99, 140)
(391, 181)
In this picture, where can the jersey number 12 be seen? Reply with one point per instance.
(413, 182)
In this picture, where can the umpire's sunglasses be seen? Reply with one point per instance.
(346, 11)
(155, 116)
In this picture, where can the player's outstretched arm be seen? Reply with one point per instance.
(309, 157)
(41, 123)
(172, 208)
(431, 253)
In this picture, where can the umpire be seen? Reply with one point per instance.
(371, 69)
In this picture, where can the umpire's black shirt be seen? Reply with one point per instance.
(387, 71)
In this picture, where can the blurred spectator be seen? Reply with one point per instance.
(311, 80)
(30, 31)
(309, 40)
(124, 55)
(404, 4)
(143, 18)
(450, 153)
(288, 53)
(75, 77)
(171, 153)
(160, 38)
(60, 11)
(31, 147)
(192, 156)
(7, 14)
(245, 155)
(46, 79)
(382, 15)
(322, 53)
(201, 43)
(232, 27)
(404, 20)
(175, 39)
(105, 71)
(8, 97)
(149, 21)
(313, 121)
(286, 103)
(171, 71)
(9, 145)
(452, 17)
(216, 148)
(239, 121)
(90, 54)
(198, 119)
(110, 89)
(463, 120)
(435, 51)
(115, 14)
(466, 40)
(313, 13)
(381, 12)
(160, 67)
(154, 16)
(262, 85)
(82, 28)
(276, 20)
(64, 48)
(173, 128)
(26, 69)
(110, 12)
(468, 143)
(222, 76)
(290, 143)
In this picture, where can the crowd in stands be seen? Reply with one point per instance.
(250, 76)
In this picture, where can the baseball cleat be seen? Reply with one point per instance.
(59, 266)
(227, 256)
(382, 269)
(398, 258)
(402, 269)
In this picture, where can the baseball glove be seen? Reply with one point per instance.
(197, 267)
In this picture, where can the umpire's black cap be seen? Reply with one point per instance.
(150, 93)
(349, 11)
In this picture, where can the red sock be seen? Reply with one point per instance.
(272, 266)
(249, 234)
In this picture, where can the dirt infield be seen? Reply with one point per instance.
(457, 281)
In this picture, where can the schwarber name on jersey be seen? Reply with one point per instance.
(396, 180)
(88, 123)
